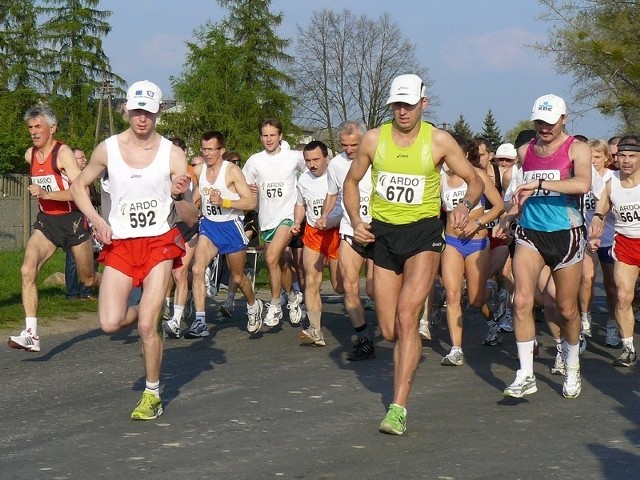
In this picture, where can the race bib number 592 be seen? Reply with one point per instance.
(400, 188)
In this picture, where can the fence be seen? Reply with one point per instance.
(17, 211)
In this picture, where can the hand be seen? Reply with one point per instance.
(214, 197)
(36, 191)
(524, 191)
(321, 223)
(459, 217)
(362, 233)
(593, 245)
(103, 232)
(180, 184)
(254, 189)
(295, 228)
(596, 227)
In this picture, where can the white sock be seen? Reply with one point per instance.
(177, 313)
(628, 344)
(200, 317)
(153, 387)
(32, 323)
(573, 352)
(525, 354)
(253, 308)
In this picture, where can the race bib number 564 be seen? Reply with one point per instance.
(400, 187)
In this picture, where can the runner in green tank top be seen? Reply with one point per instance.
(406, 156)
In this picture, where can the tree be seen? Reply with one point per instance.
(77, 63)
(230, 80)
(490, 130)
(19, 55)
(344, 68)
(252, 28)
(511, 135)
(598, 43)
(462, 128)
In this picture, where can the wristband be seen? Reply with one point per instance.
(226, 203)
(177, 198)
(540, 183)
(599, 215)
(467, 204)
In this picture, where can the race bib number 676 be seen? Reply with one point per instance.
(400, 188)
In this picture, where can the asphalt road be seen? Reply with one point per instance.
(266, 408)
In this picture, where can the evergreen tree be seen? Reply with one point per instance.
(252, 28)
(462, 128)
(490, 130)
(72, 33)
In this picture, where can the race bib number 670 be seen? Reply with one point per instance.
(400, 188)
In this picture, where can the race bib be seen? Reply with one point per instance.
(628, 212)
(589, 202)
(141, 213)
(46, 182)
(273, 190)
(400, 188)
(544, 175)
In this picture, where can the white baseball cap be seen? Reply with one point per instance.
(548, 108)
(407, 89)
(506, 150)
(144, 95)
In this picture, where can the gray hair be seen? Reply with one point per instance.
(41, 111)
(351, 127)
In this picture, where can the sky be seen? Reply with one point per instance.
(477, 53)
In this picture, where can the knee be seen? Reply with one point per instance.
(522, 303)
(624, 298)
(388, 333)
(109, 327)
(197, 271)
(272, 260)
(28, 272)
(238, 278)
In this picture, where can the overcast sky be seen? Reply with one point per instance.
(476, 52)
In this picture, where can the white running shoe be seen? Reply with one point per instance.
(455, 358)
(255, 319)
(273, 316)
(559, 366)
(423, 329)
(311, 336)
(585, 320)
(572, 383)
(523, 385)
(295, 312)
(25, 341)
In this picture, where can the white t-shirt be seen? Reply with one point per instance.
(336, 173)
(312, 191)
(275, 176)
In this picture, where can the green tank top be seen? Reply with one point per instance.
(406, 184)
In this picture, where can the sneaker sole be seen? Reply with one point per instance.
(196, 335)
(17, 346)
(530, 390)
(616, 363)
(160, 411)
(384, 428)
(571, 395)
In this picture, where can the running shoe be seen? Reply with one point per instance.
(494, 298)
(455, 358)
(25, 341)
(559, 365)
(585, 320)
(506, 322)
(369, 304)
(493, 337)
(148, 408)
(362, 350)
(273, 316)
(198, 329)
(583, 345)
(295, 312)
(572, 383)
(523, 385)
(171, 328)
(423, 329)
(612, 338)
(395, 423)
(627, 358)
(311, 336)
(254, 322)
(226, 309)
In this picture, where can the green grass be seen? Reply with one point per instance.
(52, 300)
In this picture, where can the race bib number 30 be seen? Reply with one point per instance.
(400, 188)
(141, 213)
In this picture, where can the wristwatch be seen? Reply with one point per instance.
(467, 204)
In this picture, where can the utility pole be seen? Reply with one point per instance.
(106, 90)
